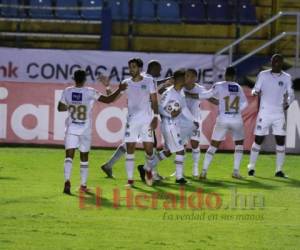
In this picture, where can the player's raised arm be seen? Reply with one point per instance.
(113, 96)
(106, 82)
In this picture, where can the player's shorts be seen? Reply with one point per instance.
(275, 121)
(172, 138)
(236, 127)
(196, 133)
(82, 142)
(138, 130)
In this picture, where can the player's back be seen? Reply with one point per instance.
(80, 101)
(193, 104)
(231, 98)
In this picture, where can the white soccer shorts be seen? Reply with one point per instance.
(82, 142)
(172, 137)
(196, 133)
(265, 122)
(138, 131)
(222, 127)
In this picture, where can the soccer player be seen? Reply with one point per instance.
(194, 93)
(274, 87)
(154, 71)
(142, 118)
(232, 102)
(173, 121)
(78, 100)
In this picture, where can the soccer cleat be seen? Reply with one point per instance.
(129, 183)
(202, 176)
(181, 181)
(142, 172)
(67, 188)
(107, 170)
(83, 189)
(236, 175)
(280, 174)
(157, 177)
(251, 172)
(148, 178)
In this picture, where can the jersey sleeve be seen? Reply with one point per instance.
(243, 100)
(95, 94)
(163, 103)
(258, 84)
(63, 98)
(206, 94)
(290, 91)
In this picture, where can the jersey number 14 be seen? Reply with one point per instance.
(232, 105)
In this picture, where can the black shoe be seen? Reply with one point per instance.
(251, 172)
(67, 188)
(280, 174)
(181, 181)
(107, 170)
(142, 172)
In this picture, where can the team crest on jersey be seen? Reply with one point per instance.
(77, 97)
(144, 86)
(233, 88)
(280, 83)
(258, 127)
(127, 134)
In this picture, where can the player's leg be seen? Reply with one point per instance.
(255, 149)
(218, 135)
(71, 143)
(209, 155)
(84, 148)
(280, 155)
(107, 167)
(238, 155)
(196, 157)
(179, 163)
(238, 135)
(149, 162)
(130, 149)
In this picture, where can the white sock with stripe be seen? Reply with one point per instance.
(130, 166)
(208, 158)
(84, 170)
(68, 168)
(253, 155)
(196, 157)
(238, 155)
(280, 155)
(179, 160)
(121, 150)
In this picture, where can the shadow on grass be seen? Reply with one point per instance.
(8, 178)
(289, 181)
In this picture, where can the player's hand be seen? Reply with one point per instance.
(122, 86)
(154, 123)
(104, 80)
(175, 113)
(255, 93)
(196, 124)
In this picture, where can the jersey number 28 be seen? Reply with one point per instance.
(78, 112)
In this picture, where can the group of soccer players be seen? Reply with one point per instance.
(176, 102)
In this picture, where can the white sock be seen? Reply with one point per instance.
(159, 156)
(68, 168)
(179, 160)
(196, 157)
(149, 162)
(208, 157)
(253, 156)
(280, 155)
(130, 166)
(121, 150)
(238, 155)
(84, 169)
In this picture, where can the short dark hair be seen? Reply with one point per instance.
(230, 71)
(193, 71)
(179, 74)
(79, 76)
(277, 55)
(137, 61)
(153, 63)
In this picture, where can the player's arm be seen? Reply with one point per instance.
(114, 95)
(290, 93)
(243, 100)
(164, 84)
(257, 87)
(62, 104)
(154, 104)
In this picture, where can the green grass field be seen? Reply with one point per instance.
(34, 214)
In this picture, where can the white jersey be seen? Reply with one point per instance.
(193, 102)
(138, 97)
(80, 102)
(145, 74)
(171, 94)
(273, 88)
(232, 100)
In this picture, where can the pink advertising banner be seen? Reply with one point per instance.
(28, 115)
